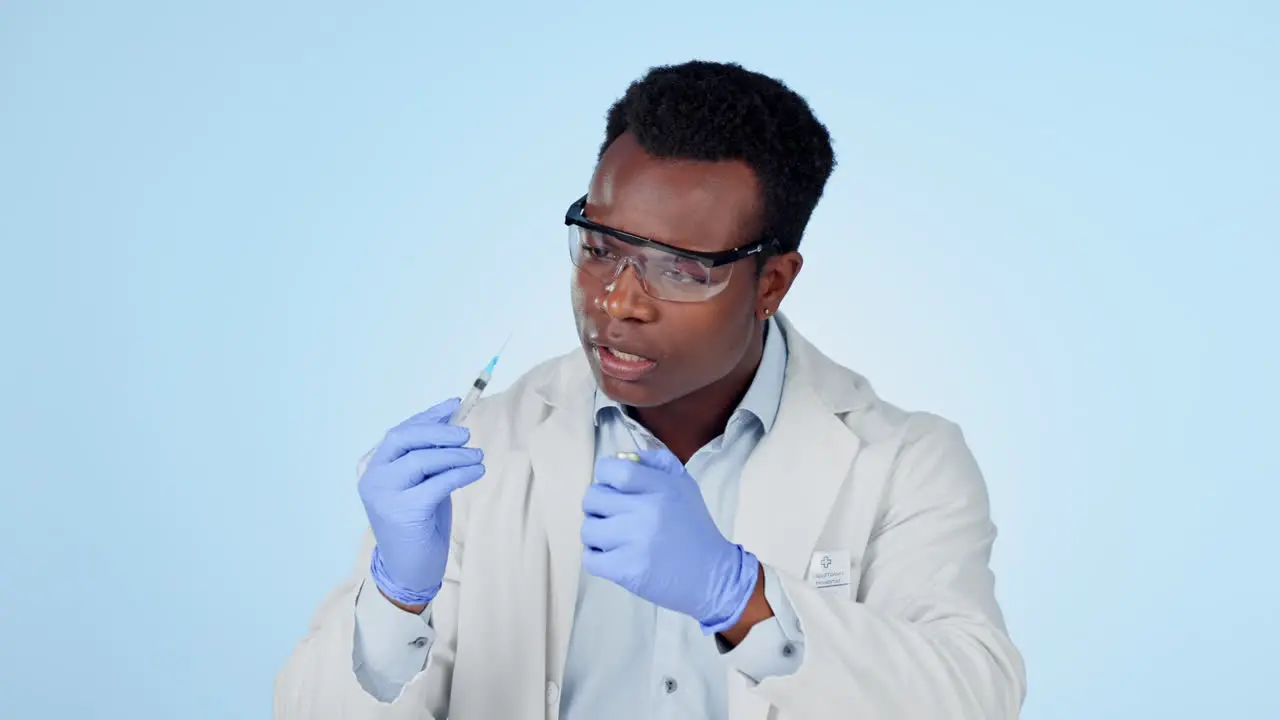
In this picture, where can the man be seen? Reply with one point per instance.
(781, 538)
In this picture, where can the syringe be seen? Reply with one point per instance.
(477, 388)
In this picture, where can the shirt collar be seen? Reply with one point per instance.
(763, 396)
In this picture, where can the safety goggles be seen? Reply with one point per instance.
(666, 272)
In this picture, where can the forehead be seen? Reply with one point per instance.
(703, 206)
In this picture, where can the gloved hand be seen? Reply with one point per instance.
(405, 490)
(648, 529)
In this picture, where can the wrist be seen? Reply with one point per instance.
(409, 600)
(756, 611)
(738, 583)
(411, 609)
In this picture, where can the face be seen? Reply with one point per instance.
(646, 352)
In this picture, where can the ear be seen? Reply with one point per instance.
(775, 281)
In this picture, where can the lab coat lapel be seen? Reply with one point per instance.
(561, 453)
(791, 480)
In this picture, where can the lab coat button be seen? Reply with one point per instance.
(669, 684)
(788, 650)
(553, 693)
(419, 643)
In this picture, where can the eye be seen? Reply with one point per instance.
(594, 247)
(594, 252)
(686, 273)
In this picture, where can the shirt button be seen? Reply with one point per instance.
(788, 650)
(669, 684)
(553, 693)
(419, 643)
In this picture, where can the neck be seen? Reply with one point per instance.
(688, 423)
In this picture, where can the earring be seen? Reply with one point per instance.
(767, 312)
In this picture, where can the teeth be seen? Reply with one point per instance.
(626, 356)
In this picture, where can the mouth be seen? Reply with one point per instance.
(621, 365)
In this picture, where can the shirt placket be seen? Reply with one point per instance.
(664, 672)
(676, 682)
(690, 647)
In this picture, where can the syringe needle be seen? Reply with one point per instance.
(504, 344)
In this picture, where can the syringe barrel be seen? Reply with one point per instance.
(464, 408)
(473, 395)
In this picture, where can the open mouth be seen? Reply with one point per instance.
(621, 365)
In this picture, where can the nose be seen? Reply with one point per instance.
(625, 297)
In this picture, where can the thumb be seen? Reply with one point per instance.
(662, 460)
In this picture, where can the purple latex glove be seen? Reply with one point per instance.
(648, 529)
(405, 490)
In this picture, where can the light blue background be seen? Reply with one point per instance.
(241, 239)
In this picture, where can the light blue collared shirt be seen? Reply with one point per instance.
(627, 657)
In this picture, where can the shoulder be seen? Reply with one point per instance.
(921, 457)
(882, 421)
(910, 444)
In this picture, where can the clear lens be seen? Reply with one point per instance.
(665, 276)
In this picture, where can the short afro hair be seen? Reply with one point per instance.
(712, 111)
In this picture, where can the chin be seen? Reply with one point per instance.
(634, 394)
(638, 393)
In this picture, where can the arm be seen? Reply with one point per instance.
(324, 678)
(928, 640)
(361, 659)
(392, 642)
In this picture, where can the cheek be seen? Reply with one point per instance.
(737, 330)
(716, 334)
(577, 296)
(580, 295)
(729, 325)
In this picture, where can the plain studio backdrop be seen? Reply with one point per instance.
(242, 239)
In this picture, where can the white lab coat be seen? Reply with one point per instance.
(916, 634)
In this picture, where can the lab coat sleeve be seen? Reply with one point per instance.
(321, 678)
(775, 646)
(925, 638)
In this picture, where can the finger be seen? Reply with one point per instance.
(603, 501)
(436, 414)
(614, 565)
(407, 438)
(418, 465)
(593, 561)
(604, 534)
(435, 489)
(627, 476)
